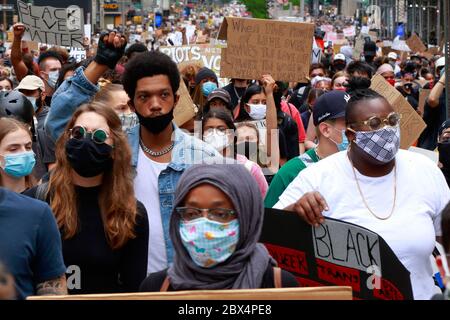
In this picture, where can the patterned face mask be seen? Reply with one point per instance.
(381, 144)
(209, 242)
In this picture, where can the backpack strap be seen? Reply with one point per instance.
(277, 277)
(165, 285)
(41, 191)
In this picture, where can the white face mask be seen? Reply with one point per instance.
(217, 139)
(33, 102)
(52, 78)
(257, 111)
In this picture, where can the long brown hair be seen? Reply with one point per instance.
(8, 125)
(116, 198)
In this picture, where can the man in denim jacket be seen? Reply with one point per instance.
(161, 151)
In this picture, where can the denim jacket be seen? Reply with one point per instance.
(187, 150)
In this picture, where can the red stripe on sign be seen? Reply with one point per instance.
(338, 275)
(289, 259)
(309, 283)
(387, 291)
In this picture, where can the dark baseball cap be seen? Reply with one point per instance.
(221, 94)
(329, 106)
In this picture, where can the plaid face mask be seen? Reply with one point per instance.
(381, 144)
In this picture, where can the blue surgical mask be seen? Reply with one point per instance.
(209, 242)
(208, 87)
(33, 102)
(18, 165)
(344, 144)
(52, 78)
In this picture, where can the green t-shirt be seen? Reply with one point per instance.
(286, 174)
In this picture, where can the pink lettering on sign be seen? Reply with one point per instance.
(289, 259)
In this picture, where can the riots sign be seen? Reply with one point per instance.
(336, 253)
(57, 26)
(256, 47)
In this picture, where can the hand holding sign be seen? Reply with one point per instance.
(18, 30)
(309, 207)
(111, 47)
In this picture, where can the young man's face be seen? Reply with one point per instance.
(154, 96)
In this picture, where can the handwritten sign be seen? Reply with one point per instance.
(358, 49)
(78, 54)
(185, 107)
(411, 124)
(349, 31)
(58, 26)
(208, 56)
(326, 28)
(256, 47)
(415, 44)
(336, 253)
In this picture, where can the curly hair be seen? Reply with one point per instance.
(116, 197)
(150, 64)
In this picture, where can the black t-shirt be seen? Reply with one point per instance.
(433, 117)
(288, 126)
(155, 280)
(412, 97)
(104, 270)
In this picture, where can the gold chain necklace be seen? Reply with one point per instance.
(364, 200)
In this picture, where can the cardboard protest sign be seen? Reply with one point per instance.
(411, 124)
(185, 107)
(336, 253)
(10, 36)
(33, 45)
(359, 48)
(415, 44)
(257, 46)
(423, 96)
(208, 56)
(58, 26)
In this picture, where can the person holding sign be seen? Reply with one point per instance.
(215, 227)
(372, 185)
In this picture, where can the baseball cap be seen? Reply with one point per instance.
(370, 48)
(339, 56)
(31, 83)
(392, 55)
(330, 105)
(440, 62)
(221, 94)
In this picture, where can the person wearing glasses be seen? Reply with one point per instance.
(104, 230)
(396, 193)
(215, 227)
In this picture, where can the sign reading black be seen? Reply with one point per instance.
(336, 253)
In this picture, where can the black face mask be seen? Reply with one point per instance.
(248, 149)
(157, 124)
(444, 154)
(339, 66)
(408, 86)
(88, 158)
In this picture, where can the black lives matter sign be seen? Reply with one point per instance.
(57, 26)
(336, 253)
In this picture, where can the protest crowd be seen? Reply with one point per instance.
(148, 164)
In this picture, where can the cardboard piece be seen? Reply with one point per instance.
(411, 124)
(415, 44)
(423, 95)
(33, 46)
(57, 26)
(318, 293)
(257, 46)
(336, 253)
(185, 108)
(10, 36)
(358, 48)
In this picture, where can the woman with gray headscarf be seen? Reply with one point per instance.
(215, 228)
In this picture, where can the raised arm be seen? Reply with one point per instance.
(273, 150)
(436, 92)
(83, 85)
(20, 68)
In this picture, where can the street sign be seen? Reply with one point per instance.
(6, 7)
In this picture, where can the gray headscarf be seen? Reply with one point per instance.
(245, 268)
